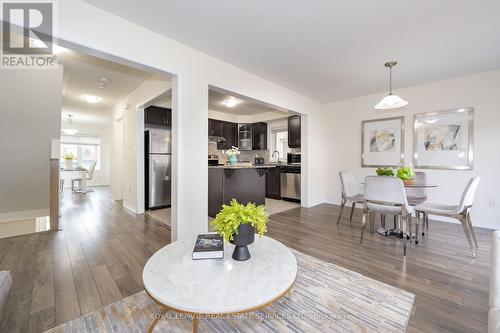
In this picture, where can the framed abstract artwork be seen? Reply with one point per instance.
(444, 140)
(382, 142)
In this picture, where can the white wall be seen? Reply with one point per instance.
(125, 136)
(481, 91)
(194, 71)
(116, 163)
(101, 176)
(30, 116)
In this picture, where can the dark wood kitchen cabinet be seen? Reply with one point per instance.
(214, 127)
(273, 183)
(259, 136)
(155, 115)
(230, 133)
(294, 132)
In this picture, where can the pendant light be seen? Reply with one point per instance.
(70, 130)
(391, 101)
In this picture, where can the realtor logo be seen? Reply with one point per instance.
(27, 30)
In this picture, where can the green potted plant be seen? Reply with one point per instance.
(68, 161)
(238, 224)
(389, 172)
(407, 175)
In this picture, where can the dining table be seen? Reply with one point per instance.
(82, 174)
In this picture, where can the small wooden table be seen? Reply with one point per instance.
(224, 287)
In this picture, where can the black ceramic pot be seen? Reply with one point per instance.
(245, 236)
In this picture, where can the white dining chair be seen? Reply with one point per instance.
(350, 192)
(461, 211)
(386, 196)
(89, 176)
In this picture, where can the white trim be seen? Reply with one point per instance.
(129, 207)
(304, 162)
(23, 215)
(176, 156)
(139, 157)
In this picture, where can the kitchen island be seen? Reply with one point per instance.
(245, 183)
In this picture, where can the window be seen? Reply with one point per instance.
(85, 148)
(279, 142)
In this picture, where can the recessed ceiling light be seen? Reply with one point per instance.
(91, 99)
(103, 82)
(230, 103)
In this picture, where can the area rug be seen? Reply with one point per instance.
(325, 298)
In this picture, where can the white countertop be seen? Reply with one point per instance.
(220, 286)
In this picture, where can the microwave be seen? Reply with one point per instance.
(293, 158)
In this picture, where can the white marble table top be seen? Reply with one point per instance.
(220, 286)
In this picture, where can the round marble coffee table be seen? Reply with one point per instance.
(218, 287)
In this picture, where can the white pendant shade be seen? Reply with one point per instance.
(391, 102)
(69, 131)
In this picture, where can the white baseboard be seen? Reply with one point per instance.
(129, 207)
(23, 215)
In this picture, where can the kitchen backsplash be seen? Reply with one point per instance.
(245, 155)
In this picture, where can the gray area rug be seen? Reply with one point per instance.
(325, 298)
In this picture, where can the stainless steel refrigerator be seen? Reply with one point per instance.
(158, 148)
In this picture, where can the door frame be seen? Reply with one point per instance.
(139, 151)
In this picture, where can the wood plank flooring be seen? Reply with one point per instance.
(451, 287)
(98, 259)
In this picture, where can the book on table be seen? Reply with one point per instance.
(209, 246)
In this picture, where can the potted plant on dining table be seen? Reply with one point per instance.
(68, 161)
(407, 175)
(238, 224)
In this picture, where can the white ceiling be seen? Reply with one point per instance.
(81, 76)
(245, 107)
(331, 49)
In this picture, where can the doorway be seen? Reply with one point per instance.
(158, 157)
(265, 137)
(126, 131)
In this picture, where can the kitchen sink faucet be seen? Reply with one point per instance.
(274, 152)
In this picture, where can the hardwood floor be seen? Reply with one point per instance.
(451, 287)
(98, 259)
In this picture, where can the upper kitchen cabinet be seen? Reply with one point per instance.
(214, 127)
(259, 136)
(230, 133)
(155, 115)
(294, 132)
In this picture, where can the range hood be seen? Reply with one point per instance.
(214, 138)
